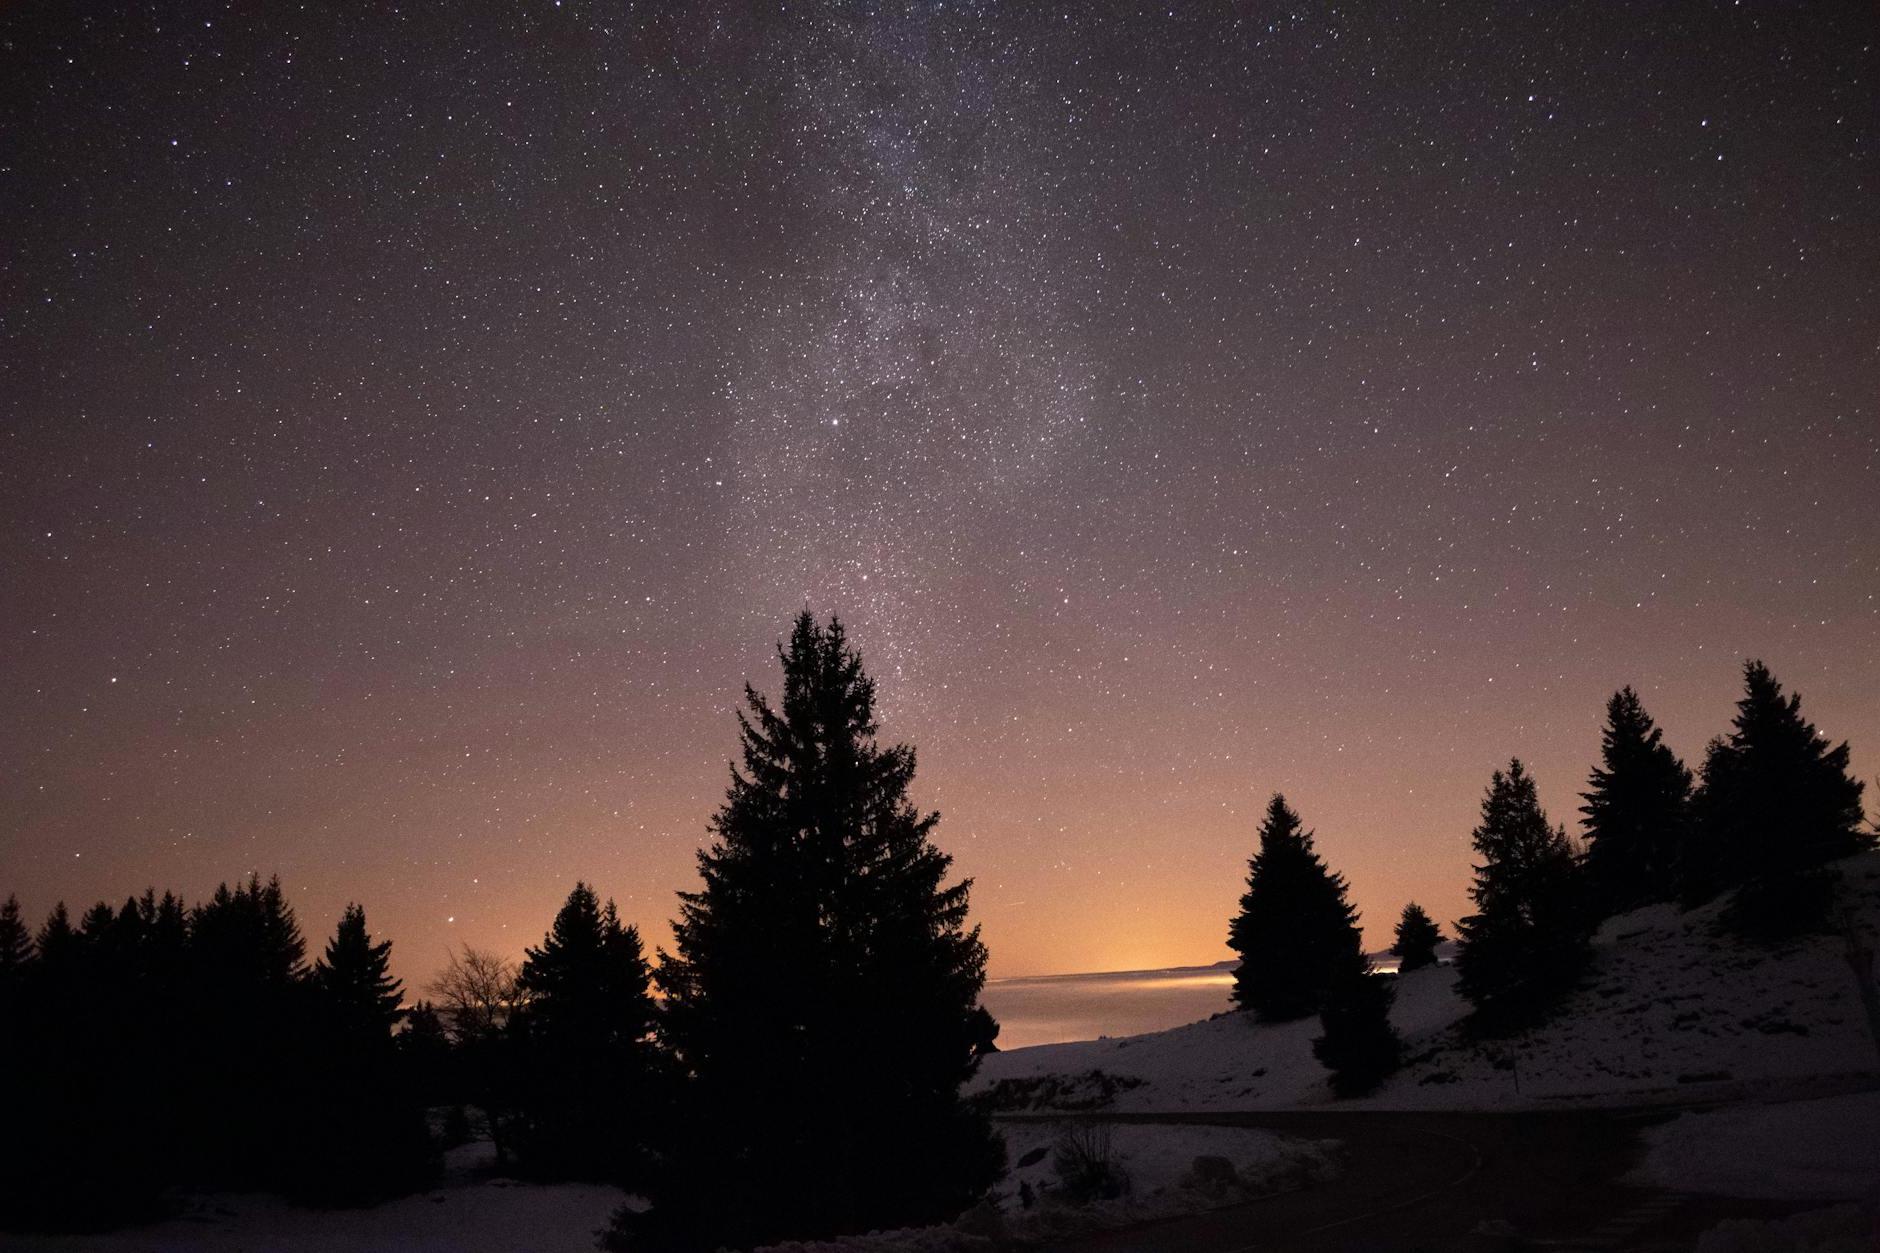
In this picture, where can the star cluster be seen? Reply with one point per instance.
(421, 422)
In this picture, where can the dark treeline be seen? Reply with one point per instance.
(1772, 805)
(558, 1056)
(799, 1075)
(152, 1044)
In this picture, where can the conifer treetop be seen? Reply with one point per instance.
(1635, 810)
(1526, 941)
(1416, 939)
(56, 935)
(1295, 924)
(251, 928)
(16, 942)
(1776, 796)
(589, 976)
(355, 974)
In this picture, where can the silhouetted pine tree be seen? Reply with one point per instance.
(1527, 941)
(1417, 938)
(588, 1101)
(249, 935)
(1294, 924)
(364, 1135)
(43, 1159)
(424, 1029)
(168, 939)
(589, 978)
(95, 924)
(82, 1035)
(57, 947)
(1359, 1046)
(430, 1068)
(1637, 811)
(823, 994)
(16, 943)
(164, 1006)
(250, 1004)
(355, 979)
(130, 929)
(1775, 800)
(16, 1037)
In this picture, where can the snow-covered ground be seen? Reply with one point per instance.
(1672, 1009)
(472, 1212)
(468, 1212)
(1837, 1229)
(1821, 1150)
(1158, 1162)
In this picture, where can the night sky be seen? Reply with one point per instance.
(415, 426)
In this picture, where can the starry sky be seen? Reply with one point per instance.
(420, 421)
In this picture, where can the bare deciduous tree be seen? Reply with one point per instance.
(478, 991)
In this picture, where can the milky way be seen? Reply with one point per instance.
(420, 424)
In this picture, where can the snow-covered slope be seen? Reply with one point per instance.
(1671, 1009)
(1821, 1150)
(469, 1211)
(1157, 1164)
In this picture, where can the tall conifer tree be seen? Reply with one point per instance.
(56, 947)
(823, 992)
(355, 977)
(16, 955)
(16, 942)
(248, 1000)
(589, 978)
(249, 935)
(1636, 813)
(588, 1103)
(1776, 797)
(95, 924)
(1416, 939)
(1294, 925)
(1527, 940)
(362, 1134)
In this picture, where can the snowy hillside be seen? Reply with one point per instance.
(471, 1210)
(1822, 1150)
(1672, 1009)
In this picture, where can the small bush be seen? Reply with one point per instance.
(1092, 1089)
(1084, 1157)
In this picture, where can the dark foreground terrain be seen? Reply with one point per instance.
(1470, 1182)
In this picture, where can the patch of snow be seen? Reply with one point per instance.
(1842, 1229)
(468, 1212)
(1159, 1163)
(1821, 1150)
(1159, 1157)
(498, 1216)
